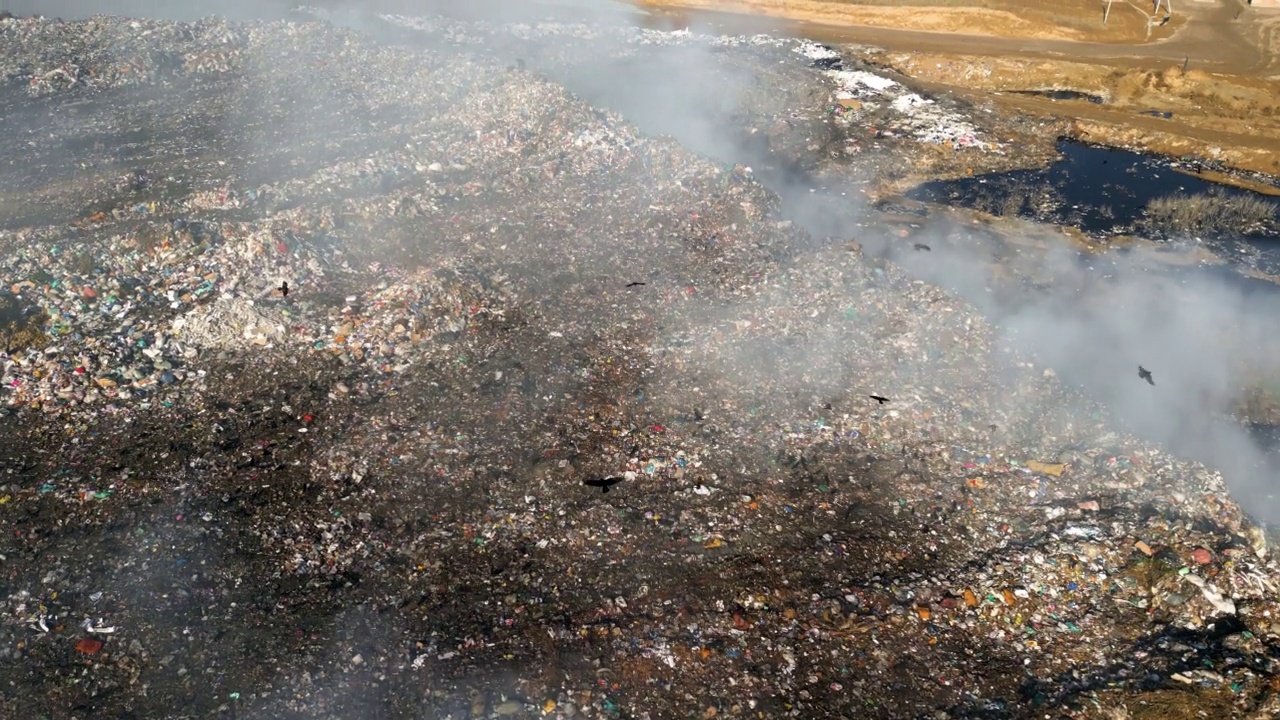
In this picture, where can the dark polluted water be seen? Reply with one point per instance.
(1111, 192)
(1061, 95)
(1107, 192)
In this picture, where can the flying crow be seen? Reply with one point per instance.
(922, 246)
(634, 284)
(284, 289)
(879, 399)
(603, 483)
(1145, 374)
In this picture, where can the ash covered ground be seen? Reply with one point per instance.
(366, 498)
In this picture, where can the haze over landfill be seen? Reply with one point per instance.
(634, 363)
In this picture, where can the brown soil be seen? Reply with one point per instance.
(1071, 20)
(1232, 118)
(1225, 105)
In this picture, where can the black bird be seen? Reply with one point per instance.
(922, 246)
(634, 284)
(879, 399)
(603, 483)
(284, 289)
(139, 180)
(1145, 374)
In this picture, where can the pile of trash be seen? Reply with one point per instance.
(920, 117)
(463, 398)
(860, 100)
(52, 57)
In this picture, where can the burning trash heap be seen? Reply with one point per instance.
(379, 493)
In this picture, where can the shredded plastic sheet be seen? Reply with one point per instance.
(814, 51)
(853, 81)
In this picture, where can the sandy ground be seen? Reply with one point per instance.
(1213, 66)
(1077, 20)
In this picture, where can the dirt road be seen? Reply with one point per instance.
(1205, 82)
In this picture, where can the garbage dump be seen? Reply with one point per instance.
(378, 494)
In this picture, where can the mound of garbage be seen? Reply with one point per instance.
(321, 349)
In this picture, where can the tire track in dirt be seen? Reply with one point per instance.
(1269, 55)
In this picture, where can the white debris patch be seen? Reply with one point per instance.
(908, 102)
(551, 29)
(227, 324)
(856, 83)
(814, 51)
(922, 118)
(927, 122)
(752, 40)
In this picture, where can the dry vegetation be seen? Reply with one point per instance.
(1120, 712)
(1169, 704)
(1260, 402)
(1231, 117)
(20, 329)
(1208, 214)
(1010, 198)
